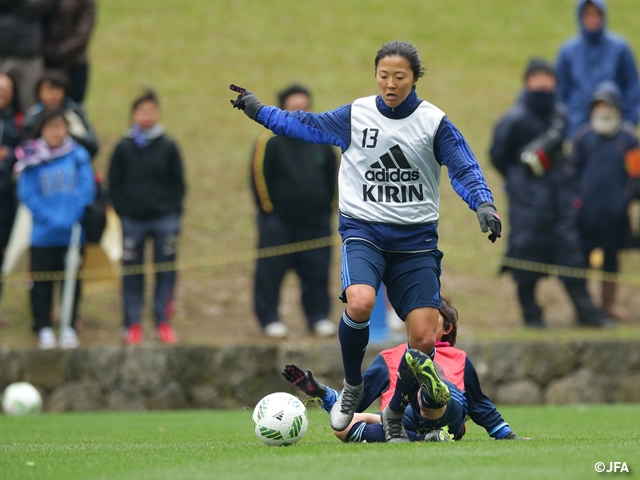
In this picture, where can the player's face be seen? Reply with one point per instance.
(297, 101)
(54, 132)
(6, 91)
(591, 18)
(51, 96)
(146, 115)
(395, 80)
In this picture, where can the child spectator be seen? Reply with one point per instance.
(52, 92)
(10, 129)
(56, 183)
(147, 186)
(603, 150)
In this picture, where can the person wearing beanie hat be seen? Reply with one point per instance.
(592, 56)
(604, 165)
(527, 150)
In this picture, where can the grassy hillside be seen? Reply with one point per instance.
(191, 51)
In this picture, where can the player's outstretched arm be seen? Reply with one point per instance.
(304, 381)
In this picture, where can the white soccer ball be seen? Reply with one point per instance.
(280, 419)
(21, 398)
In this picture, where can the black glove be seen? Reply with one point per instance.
(490, 220)
(246, 101)
(305, 382)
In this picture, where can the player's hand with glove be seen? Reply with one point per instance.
(305, 381)
(247, 101)
(490, 220)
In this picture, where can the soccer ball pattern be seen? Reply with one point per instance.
(21, 398)
(280, 419)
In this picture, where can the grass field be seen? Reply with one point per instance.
(567, 442)
(191, 51)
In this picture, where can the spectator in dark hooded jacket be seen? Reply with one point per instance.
(21, 32)
(146, 179)
(604, 151)
(592, 56)
(527, 150)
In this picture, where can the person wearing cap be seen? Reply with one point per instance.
(527, 150)
(593, 56)
(604, 164)
(294, 186)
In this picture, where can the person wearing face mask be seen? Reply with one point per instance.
(527, 150)
(605, 152)
(593, 56)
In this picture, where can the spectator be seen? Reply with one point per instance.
(66, 36)
(10, 130)
(52, 91)
(294, 184)
(56, 183)
(527, 151)
(591, 57)
(146, 179)
(21, 36)
(601, 150)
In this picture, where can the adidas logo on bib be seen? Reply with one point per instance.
(392, 167)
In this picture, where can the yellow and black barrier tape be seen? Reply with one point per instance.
(252, 255)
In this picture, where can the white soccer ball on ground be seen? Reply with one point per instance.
(21, 398)
(280, 419)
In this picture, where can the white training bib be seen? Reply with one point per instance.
(389, 173)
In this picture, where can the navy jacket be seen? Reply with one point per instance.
(590, 58)
(542, 218)
(604, 188)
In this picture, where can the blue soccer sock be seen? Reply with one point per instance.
(354, 338)
(406, 387)
(373, 433)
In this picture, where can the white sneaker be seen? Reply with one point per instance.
(47, 339)
(69, 339)
(324, 328)
(276, 330)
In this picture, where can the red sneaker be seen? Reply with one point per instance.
(166, 334)
(133, 335)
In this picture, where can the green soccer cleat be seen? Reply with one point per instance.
(439, 435)
(425, 372)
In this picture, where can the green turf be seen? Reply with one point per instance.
(567, 442)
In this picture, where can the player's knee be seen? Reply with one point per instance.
(342, 436)
(360, 306)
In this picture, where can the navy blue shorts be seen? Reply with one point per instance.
(412, 278)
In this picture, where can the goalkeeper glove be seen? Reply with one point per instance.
(246, 101)
(490, 220)
(305, 382)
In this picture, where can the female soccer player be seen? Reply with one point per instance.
(425, 419)
(393, 146)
